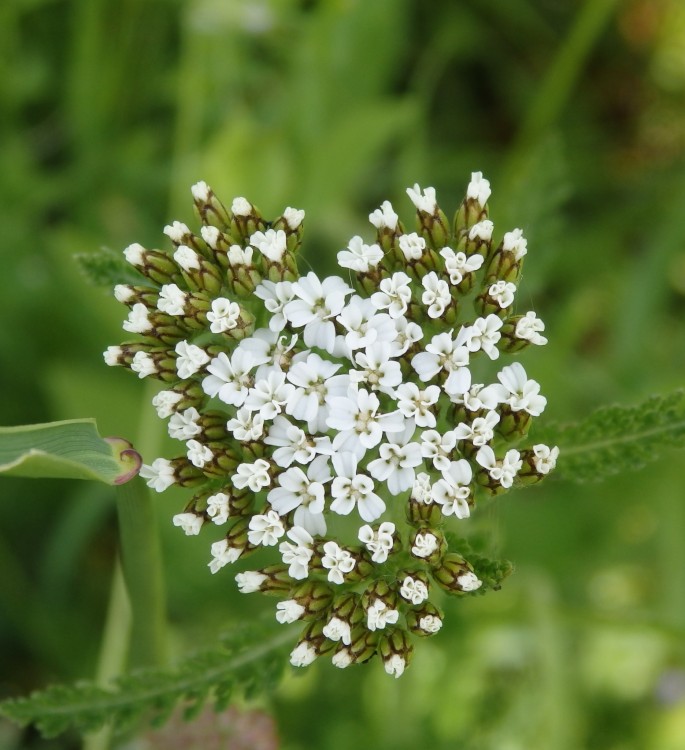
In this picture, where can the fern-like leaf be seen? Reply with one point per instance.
(250, 660)
(106, 268)
(615, 439)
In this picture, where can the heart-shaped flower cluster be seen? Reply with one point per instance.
(339, 420)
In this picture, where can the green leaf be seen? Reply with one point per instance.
(105, 267)
(71, 449)
(615, 439)
(250, 659)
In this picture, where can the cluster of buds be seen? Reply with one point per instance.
(337, 419)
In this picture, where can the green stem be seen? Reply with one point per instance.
(113, 651)
(142, 566)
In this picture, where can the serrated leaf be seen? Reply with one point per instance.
(615, 439)
(106, 268)
(70, 449)
(250, 658)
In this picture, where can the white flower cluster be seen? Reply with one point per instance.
(303, 399)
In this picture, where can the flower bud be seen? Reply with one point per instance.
(314, 597)
(425, 620)
(427, 544)
(210, 210)
(312, 644)
(153, 264)
(396, 651)
(455, 575)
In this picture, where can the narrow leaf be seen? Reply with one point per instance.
(71, 449)
(105, 267)
(615, 439)
(251, 658)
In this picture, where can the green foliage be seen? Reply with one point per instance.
(615, 439)
(71, 449)
(106, 268)
(250, 660)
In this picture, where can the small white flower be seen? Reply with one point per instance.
(265, 529)
(358, 422)
(378, 615)
(365, 325)
(424, 201)
(315, 382)
(412, 246)
(458, 264)
(469, 581)
(424, 545)
(384, 217)
(503, 293)
(515, 242)
(375, 368)
(294, 445)
(350, 488)
(293, 217)
(395, 665)
(253, 475)
(482, 230)
(337, 629)
(438, 448)
(380, 542)
(159, 475)
(222, 555)
(269, 396)
(302, 655)
(112, 355)
(172, 300)
(478, 189)
(246, 426)
(480, 431)
(276, 296)
(241, 207)
(317, 302)
(198, 454)
(430, 624)
(529, 327)
(239, 256)
(503, 471)
(211, 235)
(341, 659)
(484, 334)
(450, 355)
(416, 404)
(123, 293)
(218, 508)
(422, 489)
(250, 581)
(143, 364)
(519, 393)
(187, 258)
(397, 462)
(177, 232)
(138, 321)
(190, 359)
(394, 295)
(406, 335)
(289, 611)
(452, 492)
(135, 255)
(230, 379)
(191, 523)
(414, 590)
(184, 425)
(360, 257)
(201, 191)
(337, 561)
(303, 493)
(436, 295)
(224, 315)
(272, 244)
(164, 402)
(545, 458)
(297, 555)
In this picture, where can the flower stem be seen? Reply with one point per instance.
(142, 567)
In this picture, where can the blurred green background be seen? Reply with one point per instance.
(575, 111)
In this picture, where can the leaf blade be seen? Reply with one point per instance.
(68, 449)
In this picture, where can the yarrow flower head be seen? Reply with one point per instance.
(343, 424)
